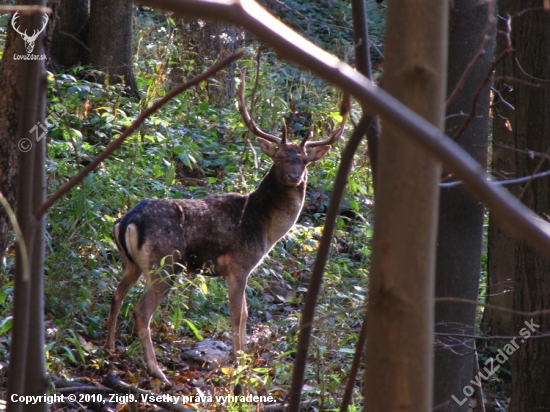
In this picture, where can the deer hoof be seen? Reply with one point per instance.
(159, 375)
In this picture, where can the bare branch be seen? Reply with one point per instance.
(25, 10)
(468, 70)
(495, 307)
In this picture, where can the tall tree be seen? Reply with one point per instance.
(110, 40)
(8, 135)
(526, 129)
(471, 41)
(28, 375)
(70, 31)
(205, 42)
(399, 364)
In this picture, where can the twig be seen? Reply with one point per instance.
(508, 182)
(336, 313)
(141, 118)
(19, 234)
(490, 338)
(350, 383)
(502, 100)
(527, 74)
(516, 80)
(544, 157)
(473, 110)
(481, 53)
(495, 307)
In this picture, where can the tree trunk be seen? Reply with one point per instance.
(8, 135)
(205, 43)
(527, 128)
(460, 215)
(399, 363)
(110, 40)
(70, 32)
(501, 246)
(27, 362)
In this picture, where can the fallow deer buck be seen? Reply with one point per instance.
(228, 234)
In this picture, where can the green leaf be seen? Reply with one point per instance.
(6, 324)
(177, 318)
(169, 177)
(69, 354)
(194, 329)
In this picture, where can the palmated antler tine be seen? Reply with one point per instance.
(344, 110)
(248, 120)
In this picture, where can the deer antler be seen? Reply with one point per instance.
(344, 110)
(308, 136)
(252, 126)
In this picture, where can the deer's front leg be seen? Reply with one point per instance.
(129, 278)
(236, 285)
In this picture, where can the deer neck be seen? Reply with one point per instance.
(280, 205)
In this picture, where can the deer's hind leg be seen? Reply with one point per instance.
(158, 286)
(130, 276)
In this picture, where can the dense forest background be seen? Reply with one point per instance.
(198, 145)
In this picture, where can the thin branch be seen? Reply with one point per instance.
(76, 39)
(19, 235)
(486, 80)
(141, 118)
(544, 157)
(502, 100)
(491, 338)
(308, 312)
(508, 182)
(527, 74)
(337, 313)
(495, 307)
(25, 10)
(350, 383)
(516, 80)
(479, 55)
(510, 213)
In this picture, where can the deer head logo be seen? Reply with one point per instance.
(29, 40)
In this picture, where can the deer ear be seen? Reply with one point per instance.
(266, 147)
(317, 153)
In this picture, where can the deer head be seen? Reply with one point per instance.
(29, 40)
(289, 159)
